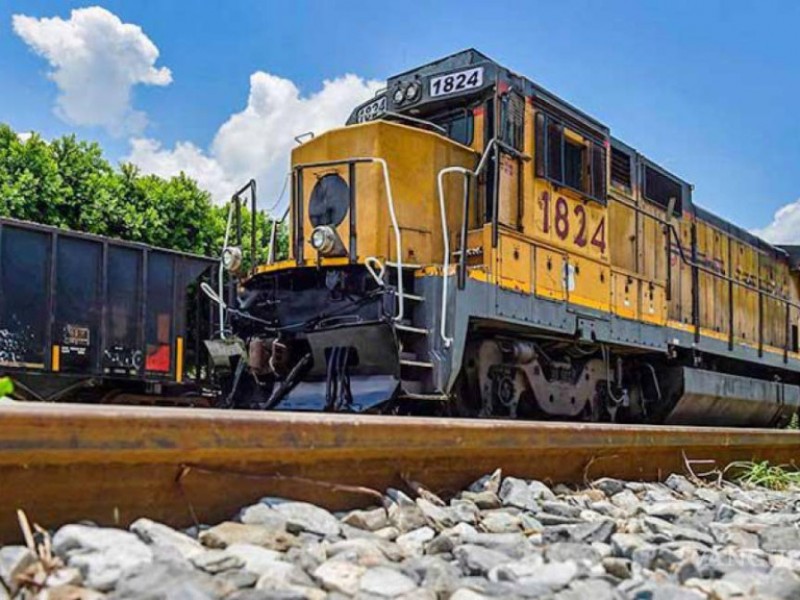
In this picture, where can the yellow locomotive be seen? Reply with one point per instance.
(470, 244)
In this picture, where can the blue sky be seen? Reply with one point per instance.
(708, 89)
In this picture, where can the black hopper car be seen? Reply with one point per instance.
(93, 319)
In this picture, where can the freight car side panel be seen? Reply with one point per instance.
(123, 355)
(79, 310)
(23, 299)
(87, 306)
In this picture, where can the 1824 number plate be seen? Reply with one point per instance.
(371, 111)
(454, 83)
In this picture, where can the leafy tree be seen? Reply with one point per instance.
(88, 187)
(30, 184)
(68, 183)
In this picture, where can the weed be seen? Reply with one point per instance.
(763, 474)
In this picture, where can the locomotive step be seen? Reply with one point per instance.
(412, 297)
(416, 363)
(433, 397)
(405, 265)
(411, 329)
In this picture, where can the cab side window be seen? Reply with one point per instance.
(574, 165)
(568, 159)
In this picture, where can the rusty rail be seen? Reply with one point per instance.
(112, 464)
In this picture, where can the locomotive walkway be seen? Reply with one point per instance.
(112, 464)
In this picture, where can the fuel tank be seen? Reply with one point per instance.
(711, 398)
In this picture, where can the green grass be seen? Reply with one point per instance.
(763, 474)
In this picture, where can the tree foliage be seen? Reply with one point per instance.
(69, 184)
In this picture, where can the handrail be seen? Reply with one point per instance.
(446, 241)
(273, 235)
(397, 238)
(221, 272)
(724, 277)
(494, 142)
(698, 266)
(235, 203)
(485, 156)
(410, 119)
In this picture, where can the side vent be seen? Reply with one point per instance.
(621, 169)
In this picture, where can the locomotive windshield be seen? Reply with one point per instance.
(455, 119)
(457, 124)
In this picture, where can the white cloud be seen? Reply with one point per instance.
(96, 61)
(785, 226)
(149, 156)
(256, 141)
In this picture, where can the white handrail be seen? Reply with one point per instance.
(446, 241)
(397, 238)
(377, 276)
(446, 238)
(221, 273)
(482, 161)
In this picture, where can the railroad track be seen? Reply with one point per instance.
(112, 464)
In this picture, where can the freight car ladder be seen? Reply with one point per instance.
(416, 367)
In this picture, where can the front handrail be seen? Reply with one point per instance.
(273, 234)
(221, 273)
(397, 238)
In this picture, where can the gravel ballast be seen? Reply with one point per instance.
(502, 537)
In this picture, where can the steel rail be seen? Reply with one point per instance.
(112, 464)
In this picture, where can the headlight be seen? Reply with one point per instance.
(323, 239)
(412, 91)
(232, 258)
(399, 95)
